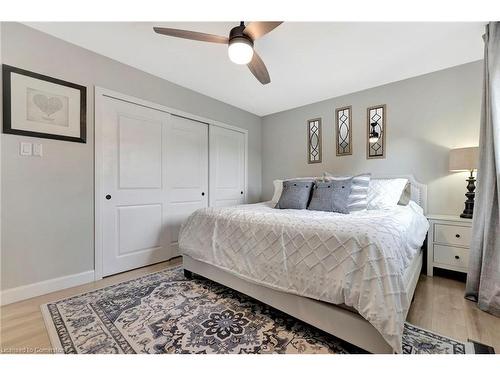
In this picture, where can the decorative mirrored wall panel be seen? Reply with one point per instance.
(314, 141)
(376, 129)
(343, 133)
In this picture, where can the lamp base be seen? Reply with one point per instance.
(466, 215)
(469, 203)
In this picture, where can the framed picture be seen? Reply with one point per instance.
(343, 131)
(40, 106)
(314, 141)
(376, 128)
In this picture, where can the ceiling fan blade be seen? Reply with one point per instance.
(257, 29)
(193, 35)
(258, 69)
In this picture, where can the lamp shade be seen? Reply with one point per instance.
(464, 159)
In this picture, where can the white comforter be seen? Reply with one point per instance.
(356, 259)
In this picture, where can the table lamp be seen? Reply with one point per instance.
(466, 159)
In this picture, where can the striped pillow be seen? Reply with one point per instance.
(358, 199)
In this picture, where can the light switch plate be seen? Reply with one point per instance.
(25, 149)
(37, 149)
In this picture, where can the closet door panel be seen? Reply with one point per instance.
(186, 172)
(133, 199)
(227, 167)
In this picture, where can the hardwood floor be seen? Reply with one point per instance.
(438, 305)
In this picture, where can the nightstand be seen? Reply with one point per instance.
(448, 243)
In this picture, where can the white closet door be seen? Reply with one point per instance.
(134, 204)
(227, 167)
(187, 173)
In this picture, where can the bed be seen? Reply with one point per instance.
(352, 276)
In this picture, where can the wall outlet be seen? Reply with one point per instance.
(25, 149)
(37, 149)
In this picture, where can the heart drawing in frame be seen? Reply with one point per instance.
(48, 106)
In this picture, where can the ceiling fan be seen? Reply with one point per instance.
(240, 44)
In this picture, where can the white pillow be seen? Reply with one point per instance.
(278, 189)
(385, 193)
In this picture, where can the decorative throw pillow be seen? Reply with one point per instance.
(405, 197)
(331, 196)
(385, 193)
(358, 198)
(278, 187)
(295, 194)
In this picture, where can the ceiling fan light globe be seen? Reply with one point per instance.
(240, 51)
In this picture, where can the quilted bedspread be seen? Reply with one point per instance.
(356, 259)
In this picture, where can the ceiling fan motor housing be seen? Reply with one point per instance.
(237, 34)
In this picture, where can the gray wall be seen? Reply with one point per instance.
(47, 203)
(426, 116)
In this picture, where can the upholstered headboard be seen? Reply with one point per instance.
(418, 190)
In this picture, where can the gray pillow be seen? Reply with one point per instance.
(295, 194)
(331, 196)
(358, 199)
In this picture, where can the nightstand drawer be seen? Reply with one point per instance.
(452, 256)
(452, 234)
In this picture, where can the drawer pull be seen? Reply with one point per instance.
(457, 235)
(457, 257)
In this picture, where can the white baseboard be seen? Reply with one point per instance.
(43, 287)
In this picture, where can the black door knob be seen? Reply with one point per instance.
(203, 193)
(241, 192)
(457, 235)
(457, 257)
(108, 197)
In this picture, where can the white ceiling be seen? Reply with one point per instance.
(307, 61)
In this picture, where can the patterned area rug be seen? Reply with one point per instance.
(165, 313)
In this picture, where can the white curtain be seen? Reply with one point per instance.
(483, 279)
